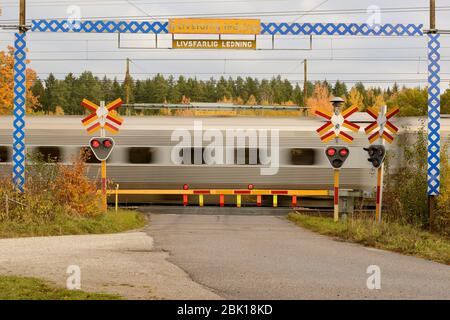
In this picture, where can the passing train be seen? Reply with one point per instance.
(143, 155)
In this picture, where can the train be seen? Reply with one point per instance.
(143, 157)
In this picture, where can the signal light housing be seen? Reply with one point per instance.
(101, 147)
(95, 144)
(107, 144)
(343, 152)
(377, 154)
(331, 152)
(337, 155)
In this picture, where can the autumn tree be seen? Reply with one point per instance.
(355, 99)
(7, 83)
(412, 102)
(320, 99)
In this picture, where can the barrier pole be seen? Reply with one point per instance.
(185, 200)
(117, 198)
(200, 200)
(222, 200)
(259, 200)
(104, 196)
(294, 201)
(275, 201)
(239, 200)
(336, 195)
(378, 207)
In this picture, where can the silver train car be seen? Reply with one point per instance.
(143, 156)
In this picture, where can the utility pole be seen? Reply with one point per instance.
(127, 85)
(127, 82)
(22, 16)
(431, 198)
(305, 84)
(433, 16)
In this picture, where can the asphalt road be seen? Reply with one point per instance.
(268, 257)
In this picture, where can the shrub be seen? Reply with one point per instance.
(51, 191)
(73, 189)
(406, 189)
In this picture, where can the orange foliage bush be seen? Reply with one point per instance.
(52, 191)
(72, 188)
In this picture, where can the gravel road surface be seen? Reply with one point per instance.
(125, 263)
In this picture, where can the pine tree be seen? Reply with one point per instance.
(340, 89)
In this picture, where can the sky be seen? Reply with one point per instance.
(376, 61)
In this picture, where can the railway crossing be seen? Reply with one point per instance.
(222, 26)
(103, 117)
(336, 122)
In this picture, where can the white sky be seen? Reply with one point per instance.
(332, 58)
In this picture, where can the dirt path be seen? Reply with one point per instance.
(125, 263)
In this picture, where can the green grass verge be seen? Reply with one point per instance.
(22, 288)
(404, 239)
(111, 222)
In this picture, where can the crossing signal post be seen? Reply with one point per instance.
(337, 156)
(333, 129)
(377, 152)
(103, 118)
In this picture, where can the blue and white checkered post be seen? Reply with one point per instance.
(434, 115)
(19, 111)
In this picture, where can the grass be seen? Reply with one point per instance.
(23, 288)
(405, 239)
(111, 222)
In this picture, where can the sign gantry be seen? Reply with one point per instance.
(265, 28)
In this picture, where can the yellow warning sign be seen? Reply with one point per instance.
(214, 44)
(214, 26)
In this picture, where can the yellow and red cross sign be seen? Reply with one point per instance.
(333, 127)
(382, 122)
(102, 117)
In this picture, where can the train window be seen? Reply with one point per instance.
(90, 158)
(4, 154)
(140, 155)
(50, 154)
(303, 157)
(246, 156)
(188, 155)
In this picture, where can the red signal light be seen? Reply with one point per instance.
(185, 187)
(250, 187)
(95, 144)
(107, 144)
(331, 152)
(343, 152)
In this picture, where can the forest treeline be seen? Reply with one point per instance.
(64, 95)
